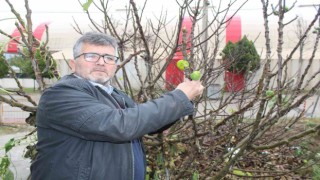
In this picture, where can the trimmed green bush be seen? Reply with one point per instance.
(26, 66)
(4, 70)
(241, 57)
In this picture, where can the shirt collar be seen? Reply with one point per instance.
(108, 88)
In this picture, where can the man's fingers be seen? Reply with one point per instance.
(192, 89)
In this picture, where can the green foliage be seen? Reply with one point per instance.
(4, 70)
(241, 57)
(196, 176)
(9, 145)
(9, 175)
(5, 172)
(4, 165)
(285, 10)
(25, 65)
(316, 30)
(241, 173)
(87, 5)
(316, 172)
(284, 100)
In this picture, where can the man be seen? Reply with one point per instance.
(88, 129)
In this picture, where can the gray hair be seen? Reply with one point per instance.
(94, 38)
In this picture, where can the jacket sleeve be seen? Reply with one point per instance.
(77, 112)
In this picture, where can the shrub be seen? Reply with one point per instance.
(4, 70)
(26, 66)
(240, 57)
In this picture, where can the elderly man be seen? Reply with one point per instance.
(88, 129)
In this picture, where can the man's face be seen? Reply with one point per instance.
(99, 71)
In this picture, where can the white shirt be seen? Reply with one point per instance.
(108, 88)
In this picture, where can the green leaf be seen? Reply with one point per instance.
(8, 175)
(147, 177)
(9, 145)
(159, 159)
(156, 175)
(269, 93)
(4, 164)
(241, 173)
(86, 5)
(298, 152)
(195, 175)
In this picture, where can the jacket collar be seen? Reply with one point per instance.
(108, 88)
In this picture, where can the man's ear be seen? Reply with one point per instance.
(72, 65)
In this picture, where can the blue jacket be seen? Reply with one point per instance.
(82, 134)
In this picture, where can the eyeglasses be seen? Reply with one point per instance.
(94, 57)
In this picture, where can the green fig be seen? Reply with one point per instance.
(195, 75)
(182, 64)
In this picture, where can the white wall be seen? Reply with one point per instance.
(25, 82)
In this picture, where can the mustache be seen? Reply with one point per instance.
(98, 69)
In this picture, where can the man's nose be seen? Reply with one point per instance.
(100, 61)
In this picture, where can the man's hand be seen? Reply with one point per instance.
(191, 88)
